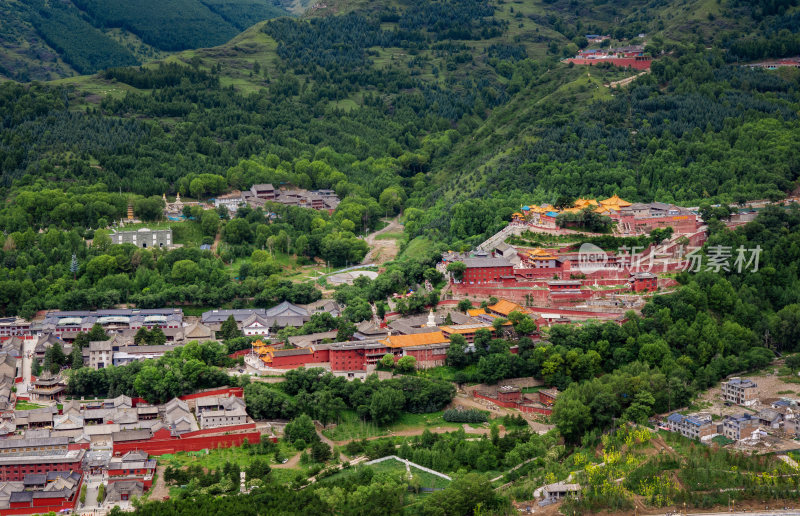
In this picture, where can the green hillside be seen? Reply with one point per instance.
(462, 108)
(42, 40)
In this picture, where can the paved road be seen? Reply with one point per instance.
(91, 497)
(28, 346)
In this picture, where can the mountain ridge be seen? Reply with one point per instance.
(45, 41)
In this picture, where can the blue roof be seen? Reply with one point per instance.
(695, 421)
(783, 403)
(205, 247)
(675, 418)
(740, 381)
(552, 214)
(526, 208)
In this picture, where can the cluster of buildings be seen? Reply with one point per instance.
(121, 325)
(49, 452)
(259, 321)
(99, 421)
(424, 337)
(630, 218)
(8, 374)
(258, 195)
(631, 56)
(595, 39)
(774, 64)
(702, 427)
(551, 277)
(567, 274)
(510, 396)
(39, 475)
(66, 325)
(778, 416)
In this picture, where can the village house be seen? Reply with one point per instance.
(770, 418)
(693, 427)
(739, 391)
(263, 191)
(739, 427)
(101, 353)
(212, 403)
(11, 326)
(144, 237)
(35, 418)
(255, 325)
(559, 490)
(178, 417)
(231, 201)
(303, 341)
(66, 325)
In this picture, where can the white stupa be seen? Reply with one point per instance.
(431, 320)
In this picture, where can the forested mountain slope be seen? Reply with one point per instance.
(461, 109)
(42, 40)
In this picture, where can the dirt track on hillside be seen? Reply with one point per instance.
(382, 251)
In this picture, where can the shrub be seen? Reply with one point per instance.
(466, 416)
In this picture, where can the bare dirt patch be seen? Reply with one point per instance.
(497, 411)
(769, 387)
(383, 250)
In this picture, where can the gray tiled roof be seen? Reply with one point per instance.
(486, 262)
(131, 435)
(10, 444)
(218, 316)
(292, 352)
(35, 479)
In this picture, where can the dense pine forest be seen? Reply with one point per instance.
(46, 40)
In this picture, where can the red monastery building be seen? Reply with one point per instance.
(485, 270)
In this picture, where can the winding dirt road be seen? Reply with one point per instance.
(383, 250)
(627, 80)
